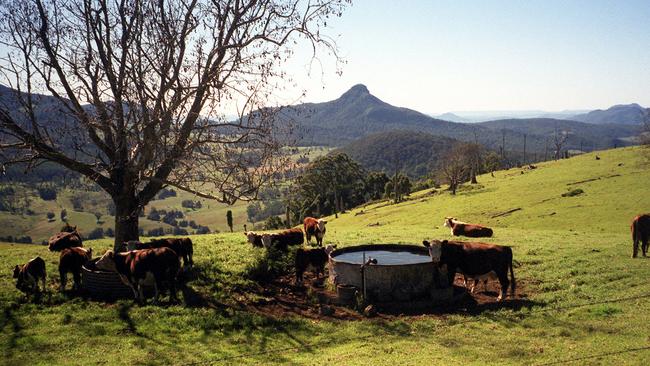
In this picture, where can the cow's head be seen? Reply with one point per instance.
(17, 270)
(267, 240)
(321, 224)
(448, 221)
(329, 248)
(250, 236)
(435, 249)
(89, 254)
(107, 262)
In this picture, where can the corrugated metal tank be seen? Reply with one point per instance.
(386, 282)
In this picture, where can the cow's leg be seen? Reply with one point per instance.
(503, 280)
(644, 246)
(77, 280)
(64, 279)
(635, 248)
(43, 281)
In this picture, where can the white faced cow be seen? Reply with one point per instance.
(459, 228)
(314, 227)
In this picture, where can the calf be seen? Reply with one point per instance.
(254, 238)
(314, 227)
(71, 260)
(283, 240)
(640, 233)
(28, 274)
(474, 260)
(136, 267)
(64, 240)
(459, 228)
(182, 246)
(315, 258)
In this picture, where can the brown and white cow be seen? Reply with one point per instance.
(473, 260)
(314, 227)
(254, 238)
(27, 275)
(459, 228)
(71, 260)
(640, 234)
(312, 258)
(65, 239)
(283, 239)
(138, 267)
(182, 246)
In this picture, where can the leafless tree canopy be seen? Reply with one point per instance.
(455, 167)
(141, 85)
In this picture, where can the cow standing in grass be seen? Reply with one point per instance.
(138, 267)
(459, 228)
(474, 260)
(316, 228)
(27, 275)
(182, 246)
(254, 238)
(640, 234)
(315, 259)
(71, 260)
(283, 239)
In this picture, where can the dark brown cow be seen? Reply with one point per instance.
(283, 240)
(459, 228)
(65, 239)
(71, 260)
(254, 238)
(136, 267)
(182, 246)
(640, 234)
(315, 258)
(314, 227)
(474, 260)
(28, 274)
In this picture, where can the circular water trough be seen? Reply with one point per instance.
(104, 284)
(402, 273)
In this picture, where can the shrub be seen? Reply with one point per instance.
(23, 239)
(109, 232)
(50, 216)
(202, 230)
(183, 223)
(164, 193)
(96, 233)
(179, 231)
(575, 192)
(156, 232)
(272, 223)
(47, 194)
(154, 215)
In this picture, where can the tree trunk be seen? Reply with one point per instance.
(126, 219)
(336, 204)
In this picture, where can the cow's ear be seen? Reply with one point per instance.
(90, 252)
(445, 241)
(334, 246)
(425, 243)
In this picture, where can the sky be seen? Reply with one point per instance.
(440, 56)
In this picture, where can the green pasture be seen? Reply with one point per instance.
(586, 301)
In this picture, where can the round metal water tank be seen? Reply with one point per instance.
(402, 272)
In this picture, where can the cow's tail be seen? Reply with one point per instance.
(512, 277)
(636, 237)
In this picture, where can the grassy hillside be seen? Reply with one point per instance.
(36, 225)
(585, 300)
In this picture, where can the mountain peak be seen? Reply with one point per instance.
(356, 91)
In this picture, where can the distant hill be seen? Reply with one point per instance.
(416, 153)
(628, 114)
(589, 136)
(357, 114)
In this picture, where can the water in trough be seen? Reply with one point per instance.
(384, 257)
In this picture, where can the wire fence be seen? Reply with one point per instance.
(284, 350)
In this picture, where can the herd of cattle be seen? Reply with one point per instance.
(158, 262)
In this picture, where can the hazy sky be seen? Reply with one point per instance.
(439, 56)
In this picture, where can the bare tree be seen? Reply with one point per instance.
(473, 154)
(454, 168)
(140, 87)
(559, 139)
